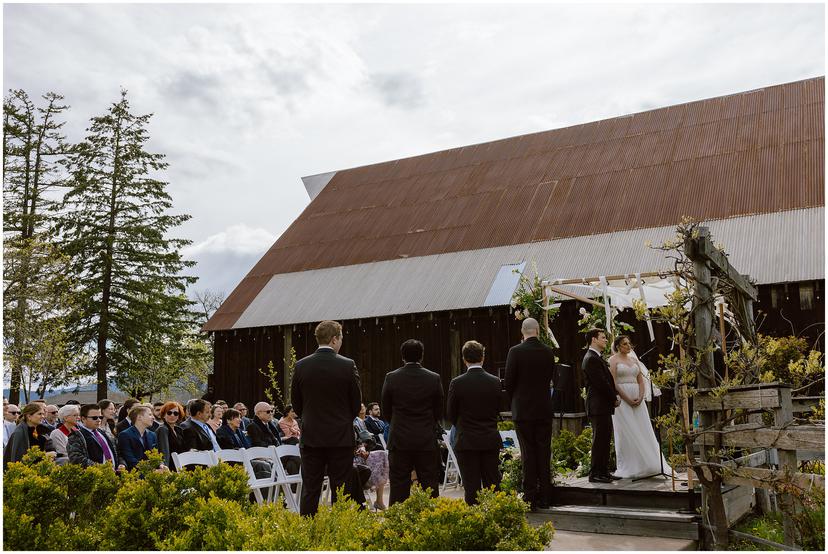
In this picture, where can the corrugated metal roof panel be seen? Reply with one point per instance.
(673, 161)
(771, 248)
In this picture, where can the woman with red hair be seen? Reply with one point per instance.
(170, 435)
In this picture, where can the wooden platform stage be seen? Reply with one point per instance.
(654, 492)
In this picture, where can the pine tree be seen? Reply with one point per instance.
(116, 231)
(33, 300)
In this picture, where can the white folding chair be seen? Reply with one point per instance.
(284, 480)
(511, 434)
(257, 484)
(194, 457)
(452, 467)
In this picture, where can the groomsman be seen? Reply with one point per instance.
(473, 401)
(600, 404)
(529, 370)
(325, 393)
(412, 397)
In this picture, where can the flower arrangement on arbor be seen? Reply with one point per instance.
(527, 301)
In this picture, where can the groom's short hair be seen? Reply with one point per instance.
(593, 333)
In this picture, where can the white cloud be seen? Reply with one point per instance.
(238, 239)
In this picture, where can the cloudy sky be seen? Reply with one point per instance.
(249, 99)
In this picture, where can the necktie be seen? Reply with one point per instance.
(106, 453)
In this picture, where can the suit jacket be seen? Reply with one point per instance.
(195, 437)
(473, 401)
(133, 448)
(600, 385)
(229, 440)
(83, 449)
(261, 434)
(326, 396)
(122, 425)
(169, 442)
(530, 366)
(17, 446)
(412, 399)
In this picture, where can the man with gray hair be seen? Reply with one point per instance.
(530, 366)
(51, 420)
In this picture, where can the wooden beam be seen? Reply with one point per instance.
(748, 400)
(749, 435)
(589, 280)
(704, 248)
(802, 404)
(766, 478)
(563, 292)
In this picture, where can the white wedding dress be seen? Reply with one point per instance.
(636, 450)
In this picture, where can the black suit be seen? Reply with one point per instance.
(229, 440)
(263, 434)
(412, 399)
(326, 396)
(122, 425)
(194, 437)
(473, 400)
(83, 449)
(529, 370)
(600, 405)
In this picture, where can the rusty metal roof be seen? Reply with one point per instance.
(755, 152)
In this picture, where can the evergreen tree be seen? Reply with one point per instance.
(33, 152)
(115, 230)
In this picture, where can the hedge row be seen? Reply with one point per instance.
(51, 507)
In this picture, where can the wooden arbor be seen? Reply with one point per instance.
(714, 407)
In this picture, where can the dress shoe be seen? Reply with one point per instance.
(599, 479)
(614, 477)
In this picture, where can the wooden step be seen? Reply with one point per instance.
(619, 520)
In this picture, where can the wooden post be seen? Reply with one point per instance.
(722, 334)
(699, 250)
(545, 304)
(762, 495)
(286, 373)
(783, 415)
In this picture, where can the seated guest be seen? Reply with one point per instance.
(10, 415)
(109, 411)
(136, 440)
(156, 415)
(216, 412)
(170, 435)
(26, 434)
(230, 435)
(123, 414)
(262, 431)
(197, 434)
(69, 414)
(289, 426)
(89, 446)
(242, 409)
(374, 424)
(51, 420)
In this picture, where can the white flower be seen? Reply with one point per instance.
(526, 312)
(513, 303)
(518, 315)
(582, 311)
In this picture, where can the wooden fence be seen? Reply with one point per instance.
(780, 445)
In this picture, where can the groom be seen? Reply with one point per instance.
(600, 404)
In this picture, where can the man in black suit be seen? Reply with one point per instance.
(262, 431)
(326, 396)
(529, 369)
(473, 400)
(197, 434)
(88, 446)
(412, 398)
(600, 404)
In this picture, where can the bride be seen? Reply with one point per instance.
(636, 451)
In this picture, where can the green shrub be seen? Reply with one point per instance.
(498, 521)
(507, 425)
(49, 507)
(511, 470)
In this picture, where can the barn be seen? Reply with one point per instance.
(418, 247)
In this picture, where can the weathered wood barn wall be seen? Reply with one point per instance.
(374, 342)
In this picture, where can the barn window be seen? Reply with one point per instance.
(806, 297)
